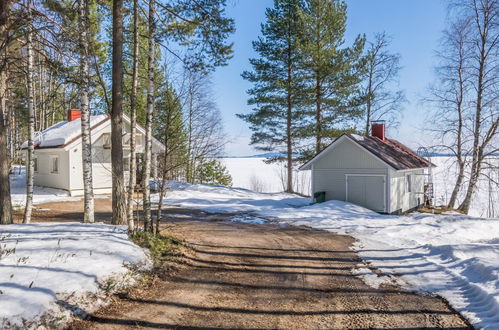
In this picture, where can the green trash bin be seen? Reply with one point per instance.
(320, 196)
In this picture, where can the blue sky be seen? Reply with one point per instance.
(415, 27)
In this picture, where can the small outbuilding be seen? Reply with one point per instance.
(378, 173)
(58, 158)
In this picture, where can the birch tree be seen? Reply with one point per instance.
(150, 109)
(133, 117)
(451, 98)
(31, 117)
(382, 100)
(86, 152)
(119, 195)
(484, 74)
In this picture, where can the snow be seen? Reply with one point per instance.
(40, 194)
(453, 255)
(248, 219)
(226, 199)
(62, 132)
(357, 137)
(255, 174)
(47, 266)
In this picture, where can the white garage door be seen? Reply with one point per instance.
(367, 191)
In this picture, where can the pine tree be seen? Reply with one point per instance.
(5, 35)
(119, 196)
(333, 71)
(277, 84)
(169, 124)
(211, 171)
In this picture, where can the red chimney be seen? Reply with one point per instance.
(74, 114)
(378, 130)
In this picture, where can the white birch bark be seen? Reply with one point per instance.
(150, 110)
(133, 117)
(86, 148)
(31, 122)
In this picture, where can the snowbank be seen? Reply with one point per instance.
(452, 255)
(226, 199)
(46, 268)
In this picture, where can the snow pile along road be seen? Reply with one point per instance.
(453, 255)
(226, 199)
(46, 268)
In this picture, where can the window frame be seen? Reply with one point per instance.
(54, 160)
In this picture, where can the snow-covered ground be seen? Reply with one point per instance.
(226, 199)
(48, 267)
(255, 174)
(452, 255)
(40, 194)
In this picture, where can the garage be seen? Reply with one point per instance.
(368, 190)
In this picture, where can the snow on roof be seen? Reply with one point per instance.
(62, 132)
(357, 137)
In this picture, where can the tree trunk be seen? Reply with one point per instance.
(318, 114)
(119, 196)
(133, 117)
(289, 120)
(5, 199)
(150, 109)
(459, 142)
(86, 152)
(476, 160)
(31, 123)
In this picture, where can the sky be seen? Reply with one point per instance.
(415, 28)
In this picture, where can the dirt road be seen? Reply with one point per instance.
(268, 276)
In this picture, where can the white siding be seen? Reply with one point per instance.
(44, 176)
(348, 154)
(70, 175)
(329, 171)
(401, 199)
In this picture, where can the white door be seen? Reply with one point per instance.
(367, 191)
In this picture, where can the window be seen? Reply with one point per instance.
(127, 138)
(106, 140)
(54, 160)
(35, 164)
(409, 183)
(126, 164)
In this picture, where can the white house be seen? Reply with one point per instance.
(58, 158)
(372, 171)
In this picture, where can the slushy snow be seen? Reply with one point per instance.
(453, 255)
(47, 267)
